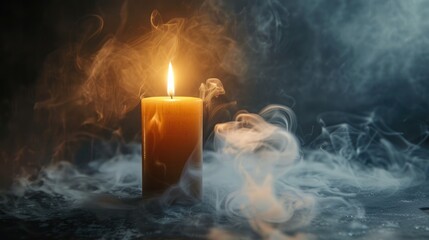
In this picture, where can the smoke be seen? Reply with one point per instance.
(91, 87)
(62, 187)
(262, 176)
(256, 177)
(258, 172)
(357, 53)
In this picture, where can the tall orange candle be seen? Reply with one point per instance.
(172, 141)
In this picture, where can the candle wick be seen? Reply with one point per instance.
(171, 96)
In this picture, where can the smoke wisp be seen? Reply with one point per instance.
(262, 176)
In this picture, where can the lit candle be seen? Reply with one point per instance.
(172, 139)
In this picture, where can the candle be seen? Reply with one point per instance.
(172, 141)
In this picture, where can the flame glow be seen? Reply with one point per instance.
(170, 81)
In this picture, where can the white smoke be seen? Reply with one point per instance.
(255, 175)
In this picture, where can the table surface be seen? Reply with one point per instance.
(124, 214)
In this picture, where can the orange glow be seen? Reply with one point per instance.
(170, 82)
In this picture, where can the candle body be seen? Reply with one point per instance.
(172, 143)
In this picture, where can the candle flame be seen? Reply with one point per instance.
(170, 82)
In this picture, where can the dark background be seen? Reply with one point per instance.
(33, 30)
(361, 58)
